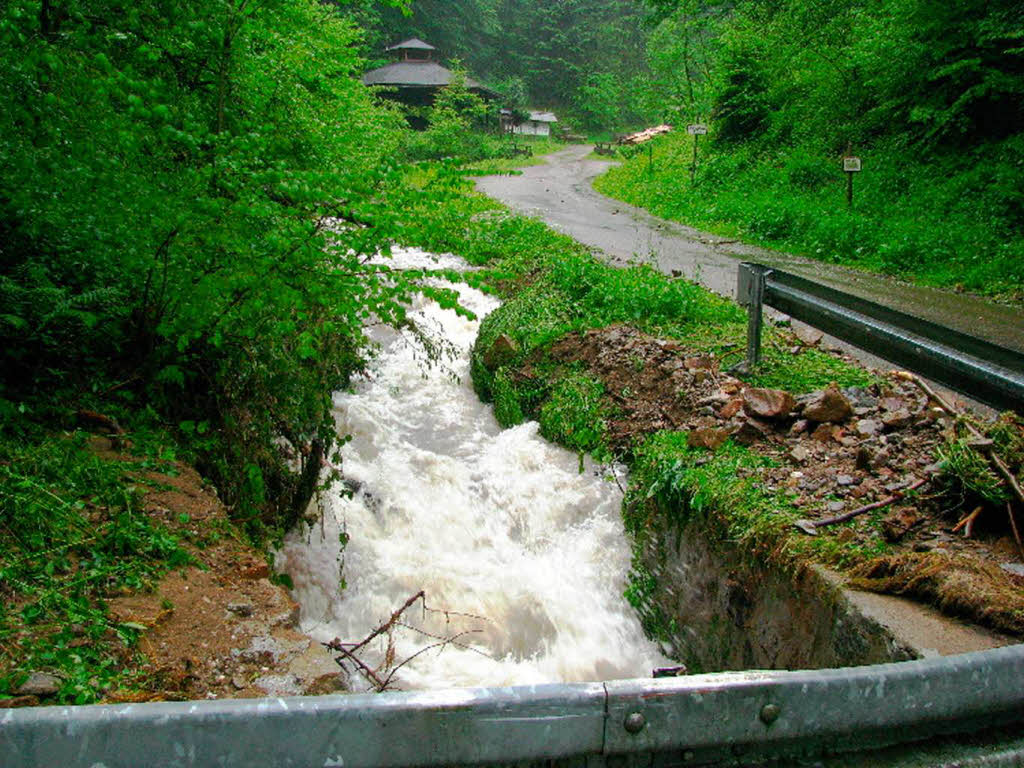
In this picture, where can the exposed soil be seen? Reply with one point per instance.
(834, 452)
(222, 630)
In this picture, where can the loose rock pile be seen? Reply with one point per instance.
(836, 449)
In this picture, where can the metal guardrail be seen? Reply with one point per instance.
(985, 372)
(713, 719)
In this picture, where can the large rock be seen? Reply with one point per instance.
(751, 431)
(501, 352)
(828, 405)
(39, 684)
(770, 404)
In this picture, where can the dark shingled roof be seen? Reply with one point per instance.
(413, 43)
(414, 74)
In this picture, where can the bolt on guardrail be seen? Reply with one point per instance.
(700, 720)
(986, 372)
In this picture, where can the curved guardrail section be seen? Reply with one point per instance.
(699, 720)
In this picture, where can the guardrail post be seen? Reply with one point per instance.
(750, 294)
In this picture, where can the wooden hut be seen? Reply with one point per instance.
(415, 76)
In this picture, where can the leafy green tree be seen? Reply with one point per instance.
(682, 52)
(600, 101)
(186, 212)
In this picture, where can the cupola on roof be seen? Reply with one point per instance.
(412, 44)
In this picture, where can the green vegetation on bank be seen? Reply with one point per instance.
(928, 95)
(73, 534)
(939, 221)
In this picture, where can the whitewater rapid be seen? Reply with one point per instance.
(497, 524)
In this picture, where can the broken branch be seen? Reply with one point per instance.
(381, 677)
(968, 522)
(810, 526)
(981, 443)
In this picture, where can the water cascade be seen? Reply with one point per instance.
(498, 527)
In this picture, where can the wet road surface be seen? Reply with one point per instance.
(560, 192)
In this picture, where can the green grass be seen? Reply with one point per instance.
(72, 534)
(540, 145)
(672, 484)
(552, 286)
(574, 415)
(952, 221)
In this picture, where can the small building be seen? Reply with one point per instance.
(536, 123)
(416, 76)
(539, 124)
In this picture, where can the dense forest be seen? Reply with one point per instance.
(191, 194)
(930, 96)
(583, 56)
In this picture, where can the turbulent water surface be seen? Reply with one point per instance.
(497, 524)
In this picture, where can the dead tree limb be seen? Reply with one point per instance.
(810, 526)
(981, 443)
(447, 641)
(381, 677)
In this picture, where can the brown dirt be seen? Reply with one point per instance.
(886, 444)
(222, 630)
(653, 383)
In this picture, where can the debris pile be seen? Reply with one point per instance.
(838, 453)
(647, 134)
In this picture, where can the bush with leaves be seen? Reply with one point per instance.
(186, 210)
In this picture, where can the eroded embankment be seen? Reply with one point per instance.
(721, 472)
(517, 544)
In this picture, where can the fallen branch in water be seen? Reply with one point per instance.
(381, 677)
(810, 526)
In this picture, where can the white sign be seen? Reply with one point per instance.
(697, 129)
(851, 164)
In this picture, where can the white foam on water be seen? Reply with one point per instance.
(499, 524)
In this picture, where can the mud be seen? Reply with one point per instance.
(886, 441)
(220, 629)
(560, 192)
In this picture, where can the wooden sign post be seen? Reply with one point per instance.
(851, 165)
(696, 130)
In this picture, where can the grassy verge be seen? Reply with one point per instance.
(946, 221)
(555, 289)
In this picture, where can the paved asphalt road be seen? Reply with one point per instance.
(560, 192)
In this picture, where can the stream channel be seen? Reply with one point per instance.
(524, 548)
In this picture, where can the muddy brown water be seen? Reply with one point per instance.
(561, 193)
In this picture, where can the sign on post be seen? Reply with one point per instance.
(696, 130)
(851, 165)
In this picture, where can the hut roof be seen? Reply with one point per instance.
(414, 74)
(413, 43)
(543, 117)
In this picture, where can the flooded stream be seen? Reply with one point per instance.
(503, 530)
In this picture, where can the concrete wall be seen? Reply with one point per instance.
(719, 612)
